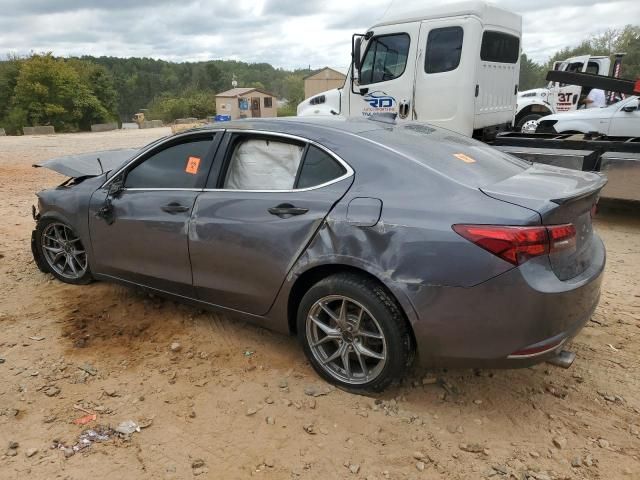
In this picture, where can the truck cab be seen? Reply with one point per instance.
(456, 66)
(557, 97)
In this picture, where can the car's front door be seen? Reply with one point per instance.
(139, 234)
(258, 214)
(626, 121)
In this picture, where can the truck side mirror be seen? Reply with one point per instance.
(357, 52)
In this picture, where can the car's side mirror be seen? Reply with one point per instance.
(116, 187)
(630, 108)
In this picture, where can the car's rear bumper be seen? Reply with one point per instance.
(516, 319)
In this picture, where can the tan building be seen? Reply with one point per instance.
(246, 103)
(325, 79)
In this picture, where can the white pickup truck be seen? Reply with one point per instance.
(455, 65)
(556, 97)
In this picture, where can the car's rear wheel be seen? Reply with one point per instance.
(354, 333)
(61, 252)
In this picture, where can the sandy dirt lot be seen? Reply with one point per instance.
(232, 401)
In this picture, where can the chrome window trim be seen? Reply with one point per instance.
(162, 189)
(348, 170)
(156, 144)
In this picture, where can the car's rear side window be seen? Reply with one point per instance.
(318, 168)
(263, 164)
(177, 166)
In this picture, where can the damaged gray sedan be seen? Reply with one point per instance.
(372, 242)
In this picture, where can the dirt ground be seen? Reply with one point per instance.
(233, 401)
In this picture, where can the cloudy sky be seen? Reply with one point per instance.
(285, 33)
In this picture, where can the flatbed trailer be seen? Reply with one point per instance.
(617, 157)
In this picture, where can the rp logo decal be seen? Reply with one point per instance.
(379, 100)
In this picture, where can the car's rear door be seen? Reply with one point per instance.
(142, 238)
(267, 196)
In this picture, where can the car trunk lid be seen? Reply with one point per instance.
(560, 196)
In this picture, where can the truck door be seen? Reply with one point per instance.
(567, 96)
(385, 81)
(444, 79)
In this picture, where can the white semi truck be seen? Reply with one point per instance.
(456, 66)
(559, 97)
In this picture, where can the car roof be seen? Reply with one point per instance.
(352, 125)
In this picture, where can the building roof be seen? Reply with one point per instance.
(338, 75)
(239, 92)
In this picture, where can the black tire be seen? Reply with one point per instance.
(380, 308)
(44, 262)
(527, 118)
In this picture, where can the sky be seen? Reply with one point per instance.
(285, 33)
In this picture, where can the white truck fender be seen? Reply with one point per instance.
(541, 106)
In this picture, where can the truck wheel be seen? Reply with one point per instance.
(528, 123)
(354, 333)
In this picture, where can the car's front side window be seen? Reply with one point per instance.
(178, 166)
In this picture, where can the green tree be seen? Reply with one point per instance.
(531, 74)
(51, 92)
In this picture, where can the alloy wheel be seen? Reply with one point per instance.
(346, 339)
(64, 251)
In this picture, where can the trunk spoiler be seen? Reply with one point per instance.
(89, 164)
(543, 187)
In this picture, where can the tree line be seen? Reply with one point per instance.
(73, 93)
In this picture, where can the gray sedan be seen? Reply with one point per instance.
(372, 242)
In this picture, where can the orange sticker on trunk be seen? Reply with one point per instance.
(193, 164)
(464, 158)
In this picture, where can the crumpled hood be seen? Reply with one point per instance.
(86, 164)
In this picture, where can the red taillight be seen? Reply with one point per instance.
(516, 245)
(561, 237)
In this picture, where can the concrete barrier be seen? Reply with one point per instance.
(151, 124)
(42, 130)
(2, 132)
(129, 126)
(182, 121)
(104, 127)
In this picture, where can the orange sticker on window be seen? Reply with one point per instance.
(464, 158)
(193, 163)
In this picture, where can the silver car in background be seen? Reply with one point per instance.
(372, 242)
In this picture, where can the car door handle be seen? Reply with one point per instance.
(175, 208)
(286, 209)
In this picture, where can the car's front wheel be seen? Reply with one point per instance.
(59, 250)
(354, 333)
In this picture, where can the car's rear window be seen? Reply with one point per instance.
(460, 158)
